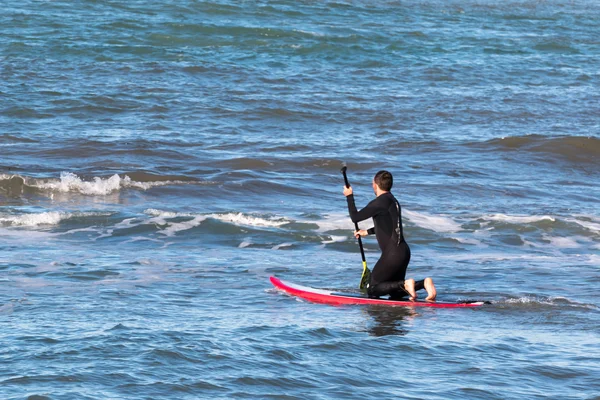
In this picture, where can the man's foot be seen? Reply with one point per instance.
(409, 286)
(430, 288)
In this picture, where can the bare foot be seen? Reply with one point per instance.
(409, 286)
(430, 288)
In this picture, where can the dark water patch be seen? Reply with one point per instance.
(8, 138)
(279, 382)
(505, 50)
(12, 186)
(555, 372)
(24, 113)
(40, 379)
(36, 339)
(282, 355)
(556, 47)
(473, 393)
(119, 327)
(575, 149)
(170, 356)
(245, 163)
(93, 275)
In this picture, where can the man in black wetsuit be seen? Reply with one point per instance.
(388, 275)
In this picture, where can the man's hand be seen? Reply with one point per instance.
(347, 191)
(360, 232)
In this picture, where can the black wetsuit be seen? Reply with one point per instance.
(388, 274)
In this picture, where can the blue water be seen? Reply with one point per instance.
(158, 162)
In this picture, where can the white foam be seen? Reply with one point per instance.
(25, 235)
(531, 300)
(165, 214)
(336, 221)
(282, 245)
(175, 227)
(142, 238)
(45, 218)
(437, 223)
(70, 182)
(592, 226)
(474, 242)
(240, 219)
(495, 256)
(234, 218)
(248, 220)
(519, 219)
(335, 239)
(311, 33)
(563, 242)
(126, 223)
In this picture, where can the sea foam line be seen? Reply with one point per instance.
(45, 218)
(70, 182)
(436, 223)
(518, 219)
(161, 218)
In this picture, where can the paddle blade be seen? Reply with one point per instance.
(366, 277)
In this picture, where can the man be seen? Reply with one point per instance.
(388, 275)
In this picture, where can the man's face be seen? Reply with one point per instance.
(374, 186)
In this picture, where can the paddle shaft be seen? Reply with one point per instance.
(362, 251)
(366, 272)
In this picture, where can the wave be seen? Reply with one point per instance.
(577, 149)
(437, 223)
(519, 219)
(536, 301)
(589, 222)
(44, 218)
(170, 228)
(96, 186)
(11, 139)
(575, 225)
(532, 232)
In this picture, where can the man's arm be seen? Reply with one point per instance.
(356, 216)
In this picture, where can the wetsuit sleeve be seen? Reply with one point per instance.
(368, 212)
(371, 231)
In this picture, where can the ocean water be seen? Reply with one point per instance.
(160, 160)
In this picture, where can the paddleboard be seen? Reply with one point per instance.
(337, 298)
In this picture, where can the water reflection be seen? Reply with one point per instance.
(388, 320)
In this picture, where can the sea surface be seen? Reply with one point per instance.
(160, 160)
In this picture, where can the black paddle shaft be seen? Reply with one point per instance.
(362, 251)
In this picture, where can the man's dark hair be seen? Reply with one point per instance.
(384, 180)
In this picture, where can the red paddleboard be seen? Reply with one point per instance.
(334, 298)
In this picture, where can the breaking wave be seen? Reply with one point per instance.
(96, 186)
(44, 218)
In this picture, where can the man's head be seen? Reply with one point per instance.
(383, 180)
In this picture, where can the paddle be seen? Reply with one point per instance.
(366, 274)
